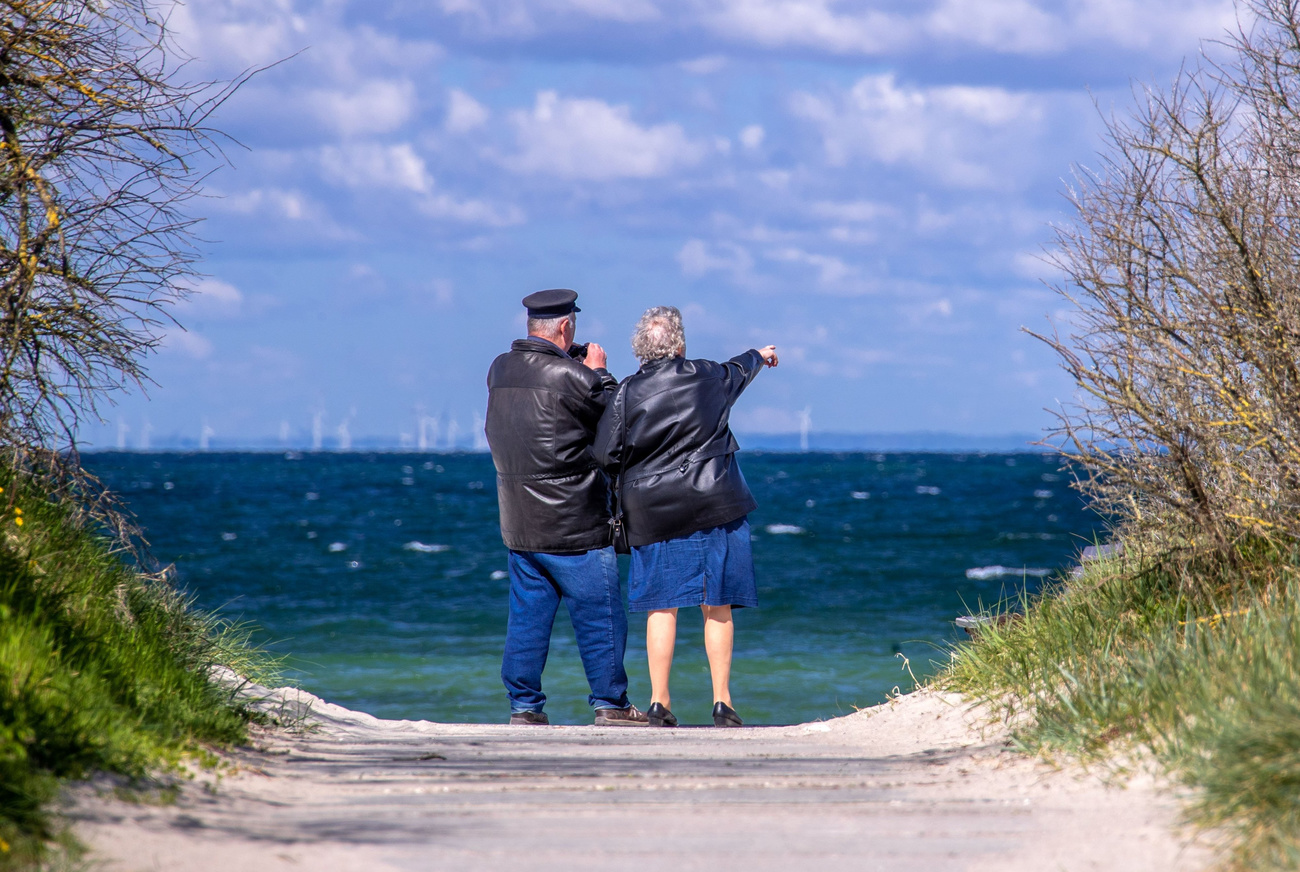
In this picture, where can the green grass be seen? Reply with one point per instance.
(1206, 676)
(101, 669)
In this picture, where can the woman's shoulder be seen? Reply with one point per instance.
(680, 368)
(704, 368)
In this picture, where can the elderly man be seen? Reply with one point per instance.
(545, 398)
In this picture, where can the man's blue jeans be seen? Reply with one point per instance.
(588, 583)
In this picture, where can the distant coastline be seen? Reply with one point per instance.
(920, 441)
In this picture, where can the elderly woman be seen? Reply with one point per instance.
(682, 498)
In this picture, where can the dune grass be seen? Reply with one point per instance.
(101, 668)
(1206, 676)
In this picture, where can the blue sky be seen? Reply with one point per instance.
(868, 185)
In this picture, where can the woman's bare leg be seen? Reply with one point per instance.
(660, 638)
(719, 635)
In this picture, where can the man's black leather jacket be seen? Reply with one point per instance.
(677, 456)
(543, 407)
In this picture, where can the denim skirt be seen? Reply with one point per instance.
(712, 567)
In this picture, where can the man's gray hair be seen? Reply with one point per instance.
(658, 334)
(549, 326)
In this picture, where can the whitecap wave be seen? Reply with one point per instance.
(425, 549)
(983, 572)
(861, 495)
(338, 546)
(783, 529)
(499, 574)
(927, 489)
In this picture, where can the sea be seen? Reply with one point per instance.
(380, 579)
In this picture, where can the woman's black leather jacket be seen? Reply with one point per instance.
(676, 456)
(543, 407)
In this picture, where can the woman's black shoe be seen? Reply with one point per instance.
(660, 716)
(725, 716)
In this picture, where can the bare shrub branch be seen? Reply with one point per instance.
(1182, 266)
(102, 145)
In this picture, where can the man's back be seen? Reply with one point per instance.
(543, 408)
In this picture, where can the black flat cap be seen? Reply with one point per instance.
(552, 303)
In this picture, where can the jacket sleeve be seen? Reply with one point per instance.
(738, 372)
(608, 447)
(600, 393)
(607, 382)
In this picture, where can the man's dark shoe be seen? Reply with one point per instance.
(624, 717)
(529, 718)
(725, 716)
(658, 716)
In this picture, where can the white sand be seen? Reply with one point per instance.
(915, 784)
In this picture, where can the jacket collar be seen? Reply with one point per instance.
(656, 365)
(537, 344)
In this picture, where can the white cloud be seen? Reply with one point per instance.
(447, 207)
(187, 343)
(967, 136)
(519, 18)
(239, 34)
(327, 38)
(927, 313)
(369, 107)
(872, 27)
(627, 11)
(831, 271)
(290, 204)
(939, 307)
(805, 23)
(867, 356)
(853, 235)
(371, 165)
(752, 136)
(1023, 27)
(589, 139)
(704, 66)
(1160, 25)
(209, 297)
(1036, 265)
(264, 206)
(854, 211)
(464, 113)
(1007, 26)
(697, 258)
(442, 292)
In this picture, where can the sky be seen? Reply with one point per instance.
(867, 185)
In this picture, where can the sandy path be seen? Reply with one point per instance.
(907, 786)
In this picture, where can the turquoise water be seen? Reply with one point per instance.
(382, 576)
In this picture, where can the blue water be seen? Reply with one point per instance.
(381, 577)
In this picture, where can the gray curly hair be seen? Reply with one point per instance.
(658, 334)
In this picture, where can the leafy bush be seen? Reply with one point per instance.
(101, 668)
